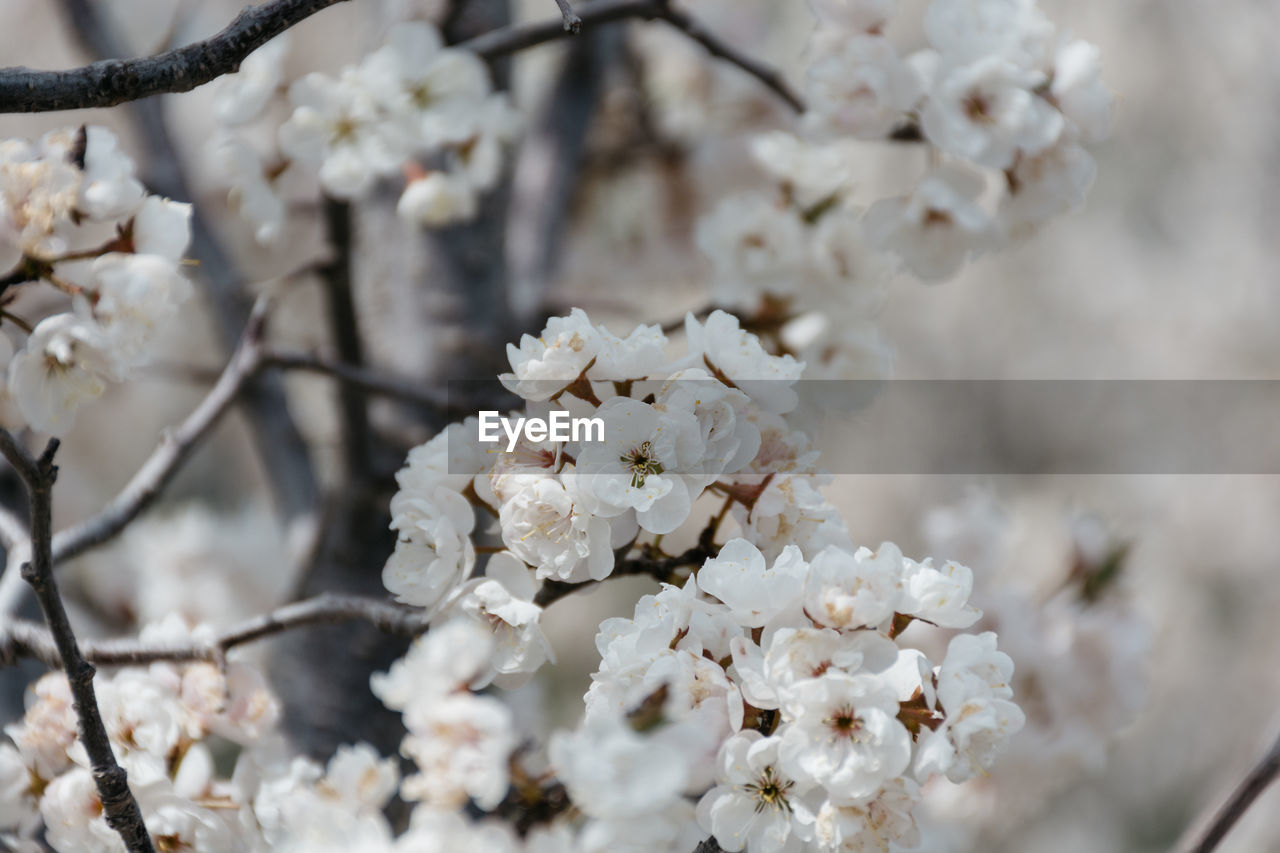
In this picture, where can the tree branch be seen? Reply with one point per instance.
(175, 447)
(160, 466)
(118, 805)
(717, 47)
(336, 276)
(115, 81)
(1196, 840)
(365, 379)
(512, 39)
(508, 40)
(24, 639)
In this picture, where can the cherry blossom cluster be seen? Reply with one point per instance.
(1002, 104)
(765, 696)
(413, 109)
(164, 722)
(73, 215)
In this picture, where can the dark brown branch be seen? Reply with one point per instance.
(1197, 840)
(115, 81)
(23, 639)
(118, 805)
(508, 40)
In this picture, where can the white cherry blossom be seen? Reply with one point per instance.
(849, 590)
(754, 591)
(721, 345)
(66, 363)
(755, 804)
(935, 229)
(844, 734)
(336, 125)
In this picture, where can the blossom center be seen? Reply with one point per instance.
(641, 462)
(770, 791)
(844, 722)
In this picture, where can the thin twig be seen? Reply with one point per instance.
(25, 639)
(721, 49)
(174, 448)
(118, 805)
(511, 39)
(367, 379)
(572, 23)
(508, 40)
(163, 463)
(1259, 778)
(363, 378)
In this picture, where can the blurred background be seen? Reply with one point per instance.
(1168, 273)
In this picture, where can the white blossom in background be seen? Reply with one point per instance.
(410, 104)
(938, 227)
(437, 198)
(1079, 674)
(337, 126)
(242, 96)
(72, 214)
(1004, 106)
(252, 192)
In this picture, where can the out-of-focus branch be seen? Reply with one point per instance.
(1204, 835)
(118, 805)
(23, 639)
(336, 276)
(174, 448)
(116, 81)
(511, 39)
(369, 380)
(721, 49)
(548, 169)
(279, 444)
(362, 378)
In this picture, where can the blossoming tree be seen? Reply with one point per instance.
(783, 687)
